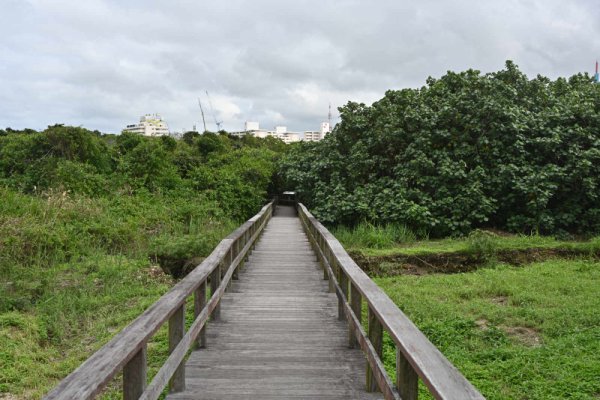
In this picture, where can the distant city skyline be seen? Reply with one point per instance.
(103, 63)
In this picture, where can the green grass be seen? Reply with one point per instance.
(352, 241)
(515, 333)
(85, 304)
(74, 271)
(374, 236)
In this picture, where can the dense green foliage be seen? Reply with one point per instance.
(467, 150)
(236, 173)
(84, 220)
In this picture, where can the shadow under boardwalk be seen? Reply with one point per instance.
(279, 336)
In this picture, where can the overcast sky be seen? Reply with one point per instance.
(103, 63)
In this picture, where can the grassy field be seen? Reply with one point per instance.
(74, 271)
(515, 333)
(527, 332)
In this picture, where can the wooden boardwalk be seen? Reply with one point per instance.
(282, 326)
(279, 336)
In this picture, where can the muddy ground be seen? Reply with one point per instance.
(456, 262)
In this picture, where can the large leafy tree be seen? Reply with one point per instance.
(466, 150)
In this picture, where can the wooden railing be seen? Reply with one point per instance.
(416, 357)
(127, 350)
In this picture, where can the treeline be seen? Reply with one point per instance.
(468, 150)
(236, 173)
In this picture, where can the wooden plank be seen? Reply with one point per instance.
(134, 375)
(442, 379)
(279, 335)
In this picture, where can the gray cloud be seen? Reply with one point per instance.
(102, 63)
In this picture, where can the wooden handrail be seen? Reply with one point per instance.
(416, 356)
(127, 350)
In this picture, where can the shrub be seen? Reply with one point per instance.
(482, 244)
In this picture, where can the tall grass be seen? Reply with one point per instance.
(368, 235)
(74, 270)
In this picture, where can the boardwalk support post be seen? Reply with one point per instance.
(199, 304)
(344, 286)
(356, 305)
(176, 332)
(215, 282)
(376, 338)
(407, 379)
(134, 375)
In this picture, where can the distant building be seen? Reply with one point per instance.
(290, 137)
(312, 136)
(315, 136)
(150, 125)
(280, 132)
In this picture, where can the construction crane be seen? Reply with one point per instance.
(217, 122)
(202, 112)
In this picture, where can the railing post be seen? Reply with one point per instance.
(329, 258)
(343, 279)
(232, 257)
(376, 339)
(319, 245)
(134, 375)
(215, 281)
(176, 332)
(356, 305)
(199, 304)
(407, 380)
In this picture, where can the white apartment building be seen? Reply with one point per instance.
(280, 132)
(290, 137)
(150, 125)
(312, 136)
(315, 136)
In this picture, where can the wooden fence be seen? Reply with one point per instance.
(416, 357)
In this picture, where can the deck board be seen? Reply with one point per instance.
(279, 336)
